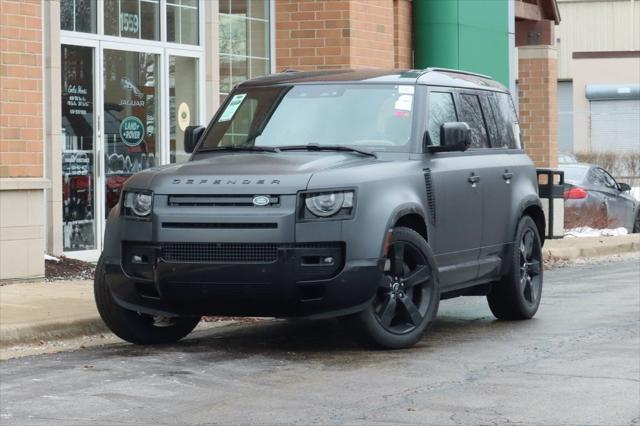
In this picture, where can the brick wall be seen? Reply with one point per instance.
(312, 34)
(537, 90)
(371, 36)
(402, 34)
(329, 34)
(21, 91)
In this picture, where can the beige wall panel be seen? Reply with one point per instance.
(589, 25)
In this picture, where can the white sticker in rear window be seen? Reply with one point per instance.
(232, 107)
(404, 103)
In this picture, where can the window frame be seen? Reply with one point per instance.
(438, 89)
(478, 94)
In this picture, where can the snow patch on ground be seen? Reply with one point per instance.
(586, 231)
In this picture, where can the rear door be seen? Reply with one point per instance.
(494, 168)
(508, 168)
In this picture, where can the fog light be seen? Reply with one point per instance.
(327, 261)
(138, 259)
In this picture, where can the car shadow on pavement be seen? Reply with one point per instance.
(324, 341)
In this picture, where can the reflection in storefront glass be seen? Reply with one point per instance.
(244, 43)
(183, 103)
(130, 118)
(78, 178)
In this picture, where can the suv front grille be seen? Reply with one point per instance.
(218, 200)
(230, 252)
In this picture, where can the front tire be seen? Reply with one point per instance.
(407, 298)
(136, 327)
(517, 295)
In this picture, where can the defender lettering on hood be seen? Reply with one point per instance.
(214, 181)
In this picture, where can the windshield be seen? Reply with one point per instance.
(377, 117)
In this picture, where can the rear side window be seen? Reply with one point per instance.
(507, 120)
(472, 113)
(441, 110)
(495, 138)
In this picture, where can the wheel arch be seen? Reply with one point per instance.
(537, 214)
(413, 221)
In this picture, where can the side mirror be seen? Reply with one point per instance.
(623, 187)
(454, 136)
(192, 135)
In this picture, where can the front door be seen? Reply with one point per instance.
(456, 204)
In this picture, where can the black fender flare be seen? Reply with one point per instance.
(400, 211)
(529, 201)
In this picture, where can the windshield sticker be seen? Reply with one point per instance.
(404, 102)
(407, 90)
(233, 106)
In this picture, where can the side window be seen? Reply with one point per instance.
(494, 135)
(608, 179)
(472, 114)
(507, 120)
(441, 110)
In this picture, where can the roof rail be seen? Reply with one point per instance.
(431, 69)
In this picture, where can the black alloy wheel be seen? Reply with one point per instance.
(407, 296)
(405, 289)
(517, 295)
(530, 268)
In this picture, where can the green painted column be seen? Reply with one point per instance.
(472, 35)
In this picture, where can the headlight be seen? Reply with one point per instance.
(327, 204)
(137, 204)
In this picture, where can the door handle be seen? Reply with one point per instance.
(473, 179)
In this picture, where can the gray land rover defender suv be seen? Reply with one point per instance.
(364, 195)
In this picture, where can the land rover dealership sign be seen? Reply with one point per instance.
(131, 131)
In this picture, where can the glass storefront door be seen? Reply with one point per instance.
(78, 149)
(131, 105)
(112, 126)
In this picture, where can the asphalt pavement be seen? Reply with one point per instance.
(576, 363)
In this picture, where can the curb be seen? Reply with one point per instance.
(53, 331)
(591, 251)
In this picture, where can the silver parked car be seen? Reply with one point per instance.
(591, 191)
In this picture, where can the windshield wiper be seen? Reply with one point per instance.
(242, 148)
(316, 147)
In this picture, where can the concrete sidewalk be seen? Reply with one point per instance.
(33, 312)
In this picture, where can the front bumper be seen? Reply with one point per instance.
(241, 279)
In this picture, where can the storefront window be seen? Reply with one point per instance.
(244, 41)
(78, 177)
(130, 118)
(183, 103)
(182, 21)
(132, 18)
(78, 15)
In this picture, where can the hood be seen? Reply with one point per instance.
(238, 173)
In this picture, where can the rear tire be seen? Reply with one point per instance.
(136, 327)
(636, 225)
(407, 298)
(517, 295)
